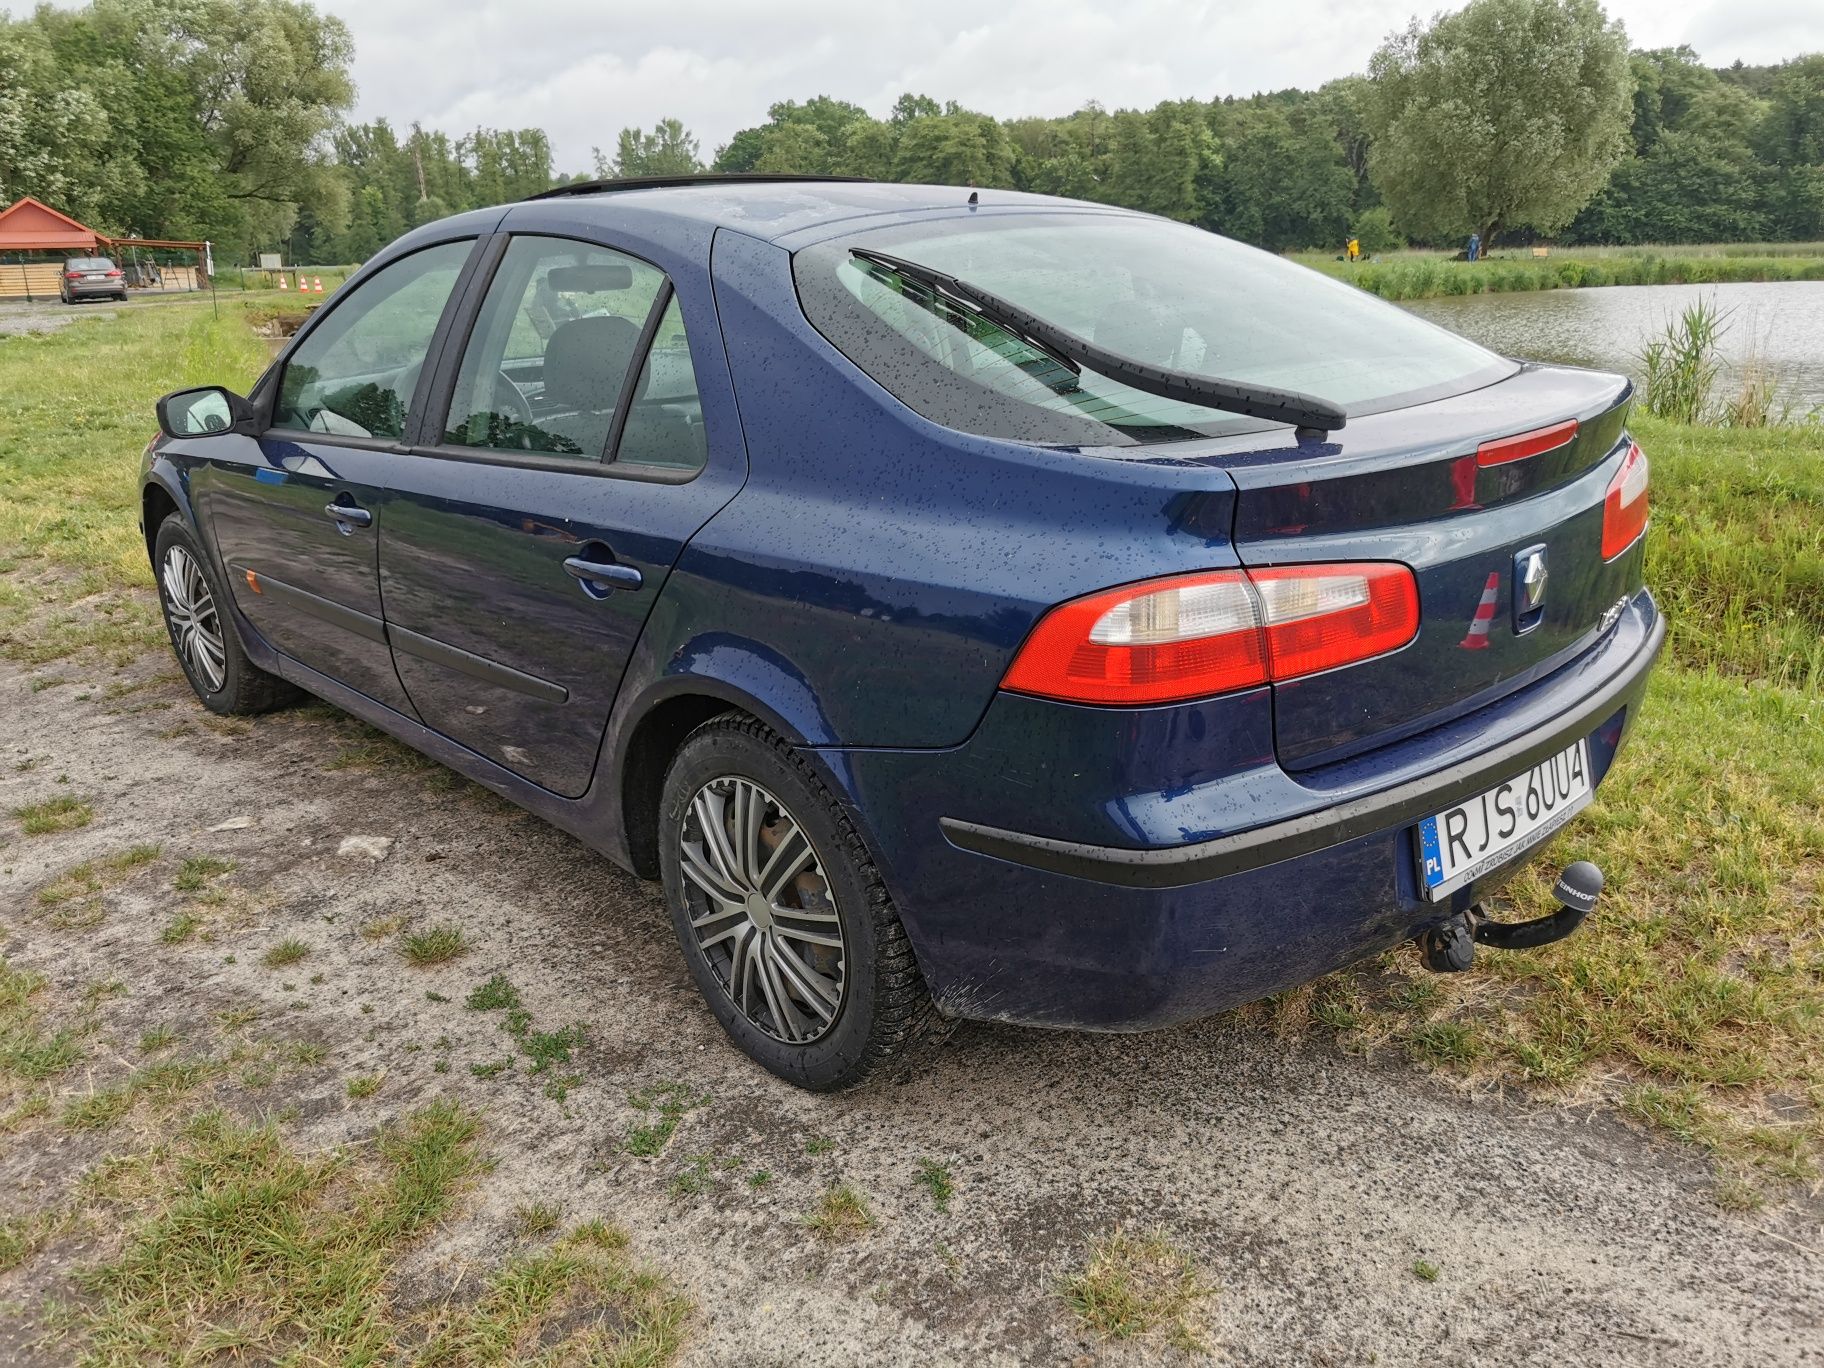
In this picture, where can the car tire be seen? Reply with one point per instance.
(882, 1011)
(202, 632)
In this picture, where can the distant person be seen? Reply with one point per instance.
(1475, 246)
(1354, 250)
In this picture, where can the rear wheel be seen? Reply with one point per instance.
(195, 609)
(782, 917)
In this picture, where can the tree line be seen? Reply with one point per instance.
(225, 119)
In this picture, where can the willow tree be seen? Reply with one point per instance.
(1506, 114)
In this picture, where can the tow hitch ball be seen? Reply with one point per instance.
(1451, 948)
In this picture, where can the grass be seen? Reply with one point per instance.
(365, 1085)
(62, 813)
(1425, 1270)
(68, 457)
(284, 953)
(195, 873)
(585, 1300)
(83, 884)
(668, 1103)
(1422, 275)
(840, 1214)
(235, 1244)
(935, 1179)
(1134, 1284)
(433, 945)
(28, 1054)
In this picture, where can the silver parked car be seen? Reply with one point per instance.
(91, 278)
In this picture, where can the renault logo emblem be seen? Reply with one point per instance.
(1530, 577)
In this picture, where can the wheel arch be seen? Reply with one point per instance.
(157, 502)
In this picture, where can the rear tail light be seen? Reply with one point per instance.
(72, 275)
(112, 274)
(1195, 635)
(1524, 444)
(1624, 507)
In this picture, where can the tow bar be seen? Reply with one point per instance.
(1451, 948)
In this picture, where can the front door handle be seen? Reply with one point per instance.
(603, 574)
(349, 514)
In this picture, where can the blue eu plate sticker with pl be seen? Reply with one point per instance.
(1430, 860)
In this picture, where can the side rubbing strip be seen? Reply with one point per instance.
(361, 624)
(476, 667)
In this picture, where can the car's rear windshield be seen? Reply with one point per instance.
(1152, 290)
(89, 264)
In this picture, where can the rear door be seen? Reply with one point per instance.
(590, 431)
(296, 513)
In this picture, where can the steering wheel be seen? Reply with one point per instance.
(506, 389)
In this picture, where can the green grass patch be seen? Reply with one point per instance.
(1424, 275)
(195, 873)
(842, 1213)
(236, 1244)
(69, 455)
(1136, 1284)
(62, 813)
(935, 1179)
(285, 952)
(586, 1300)
(666, 1104)
(433, 945)
(29, 1054)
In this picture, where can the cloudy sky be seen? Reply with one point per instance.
(583, 69)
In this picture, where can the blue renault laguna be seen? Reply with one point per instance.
(968, 604)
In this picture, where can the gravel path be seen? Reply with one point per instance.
(1305, 1182)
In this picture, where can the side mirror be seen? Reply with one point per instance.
(204, 412)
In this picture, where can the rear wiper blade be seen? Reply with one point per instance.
(1304, 411)
(977, 302)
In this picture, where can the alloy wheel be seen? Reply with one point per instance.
(761, 909)
(196, 627)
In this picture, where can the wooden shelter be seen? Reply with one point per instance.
(29, 227)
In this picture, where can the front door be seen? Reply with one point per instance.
(296, 514)
(529, 536)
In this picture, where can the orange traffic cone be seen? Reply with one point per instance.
(316, 284)
(282, 284)
(1477, 637)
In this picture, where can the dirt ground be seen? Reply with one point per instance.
(1307, 1183)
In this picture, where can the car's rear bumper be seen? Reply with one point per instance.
(1045, 929)
(94, 290)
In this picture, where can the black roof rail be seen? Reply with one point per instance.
(596, 187)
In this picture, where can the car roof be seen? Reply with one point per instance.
(771, 209)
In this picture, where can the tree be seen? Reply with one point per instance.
(1507, 114)
(957, 148)
(669, 150)
(793, 149)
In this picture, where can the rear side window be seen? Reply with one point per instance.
(354, 375)
(548, 360)
(1158, 292)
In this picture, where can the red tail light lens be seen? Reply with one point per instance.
(112, 274)
(72, 275)
(1522, 445)
(1195, 635)
(1624, 507)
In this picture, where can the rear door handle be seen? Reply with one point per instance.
(606, 574)
(349, 514)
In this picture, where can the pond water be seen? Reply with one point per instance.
(1780, 324)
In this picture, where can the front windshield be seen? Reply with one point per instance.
(1155, 291)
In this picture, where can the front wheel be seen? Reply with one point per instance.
(196, 616)
(783, 919)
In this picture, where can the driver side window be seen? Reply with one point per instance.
(354, 375)
(547, 362)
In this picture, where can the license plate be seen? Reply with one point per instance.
(94, 275)
(1467, 841)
